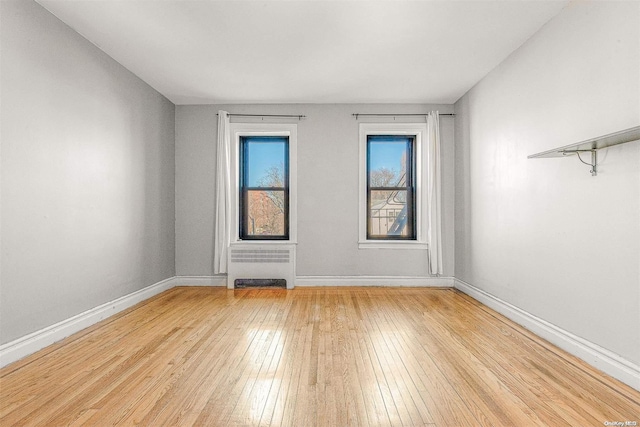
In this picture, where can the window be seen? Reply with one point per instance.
(264, 187)
(263, 204)
(391, 209)
(392, 183)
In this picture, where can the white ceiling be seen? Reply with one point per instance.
(204, 51)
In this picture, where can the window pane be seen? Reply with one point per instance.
(265, 159)
(388, 213)
(265, 213)
(387, 160)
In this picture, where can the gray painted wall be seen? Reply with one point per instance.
(87, 175)
(327, 191)
(542, 234)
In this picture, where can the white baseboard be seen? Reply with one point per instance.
(407, 281)
(200, 280)
(595, 355)
(28, 344)
(599, 357)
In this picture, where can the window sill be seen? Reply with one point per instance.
(389, 244)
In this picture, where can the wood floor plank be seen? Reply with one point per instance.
(553, 377)
(441, 399)
(286, 348)
(67, 373)
(539, 397)
(252, 401)
(405, 394)
(209, 353)
(332, 356)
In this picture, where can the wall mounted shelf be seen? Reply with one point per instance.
(591, 146)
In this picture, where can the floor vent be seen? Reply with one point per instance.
(259, 283)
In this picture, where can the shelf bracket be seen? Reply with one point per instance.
(592, 146)
(594, 158)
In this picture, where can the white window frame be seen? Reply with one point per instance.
(419, 132)
(238, 130)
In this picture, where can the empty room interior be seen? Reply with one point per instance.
(320, 213)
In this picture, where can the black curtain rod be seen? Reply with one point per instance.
(356, 115)
(297, 116)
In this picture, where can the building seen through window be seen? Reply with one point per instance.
(264, 188)
(391, 187)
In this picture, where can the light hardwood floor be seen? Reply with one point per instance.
(309, 357)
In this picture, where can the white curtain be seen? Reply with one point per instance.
(223, 195)
(434, 221)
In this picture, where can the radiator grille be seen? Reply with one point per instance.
(260, 255)
(261, 261)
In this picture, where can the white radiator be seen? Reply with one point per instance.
(261, 261)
